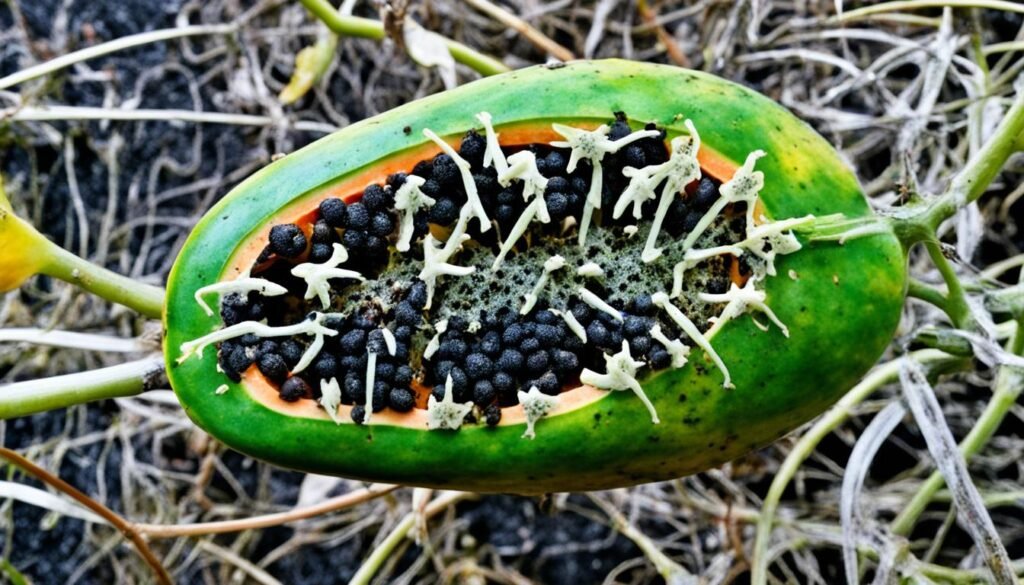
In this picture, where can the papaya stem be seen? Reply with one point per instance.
(368, 28)
(880, 376)
(147, 299)
(956, 299)
(982, 168)
(34, 396)
(925, 292)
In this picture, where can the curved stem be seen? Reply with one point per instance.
(144, 298)
(880, 376)
(30, 397)
(982, 168)
(956, 299)
(115, 45)
(927, 293)
(355, 26)
(372, 563)
(109, 515)
(331, 505)
(1009, 384)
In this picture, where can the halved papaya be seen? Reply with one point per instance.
(829, 309)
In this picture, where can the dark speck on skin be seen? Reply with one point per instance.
(691, 420)
(682, 398)
(407, 130)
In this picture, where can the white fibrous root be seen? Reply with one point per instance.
(766, 241)
(598, 303)
(769, 240)
(493, 155)
(591, 270)
(552, 264)
(744, 186)
(466, 171)
(694, 257)
(389, 340)
(446, 413)
(620, 374)
(244, 284)
(435, 342)
(570, 321)
(739, 301)
(592, 145)
(313, 326)
(330, 398)
(536, 405)
(523, 166)
(675, 347)
(371, 374)
(435, 256)
(317, 275)
(665, 303)
(681, 169)
(409, 199)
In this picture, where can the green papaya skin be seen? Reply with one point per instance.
(841, 303)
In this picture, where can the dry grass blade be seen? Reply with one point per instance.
(971, 509)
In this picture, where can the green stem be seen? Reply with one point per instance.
(956, 299)
(1009, 384)
(880, 376)
(354, 26)
(927, 293)
(144, 298)
(982, 168)
(33, 396)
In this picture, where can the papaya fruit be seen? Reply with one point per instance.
(561, 278)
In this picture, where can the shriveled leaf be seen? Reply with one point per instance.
(310, 65)
(429, 50)
(47, 501)
(971, 511)
(857, 468)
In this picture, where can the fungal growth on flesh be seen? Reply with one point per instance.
(493, 276)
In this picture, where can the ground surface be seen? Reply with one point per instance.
(126, 193)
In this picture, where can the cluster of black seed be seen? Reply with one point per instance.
(500, 353)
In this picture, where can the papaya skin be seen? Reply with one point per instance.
(841, 303)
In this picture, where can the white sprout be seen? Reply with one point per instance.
(312, 326)
(598, 303)
(409, 199)
(620, 374)
(590, 269)
(330, 398)
(743, 186)
(681, 169)
(317, 275)
(435, 342)
(524, 167)
(552, 264)
(676, 348)
(592, 145)
(493, 155)
(740, 301)
(663, 301)
(536, 405)
(389, 340)
(574, 325)
(466, 171)
(371, 375)
(242, 284)
(446, 413)
(435, 256)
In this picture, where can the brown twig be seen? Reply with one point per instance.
(109, 515)
(671, 46)
(539, 39)
(332, 505)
